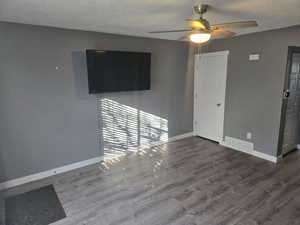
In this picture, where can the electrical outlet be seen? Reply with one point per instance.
(249, 135)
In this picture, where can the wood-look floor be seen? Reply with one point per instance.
(187, 182)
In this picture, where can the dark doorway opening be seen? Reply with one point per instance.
(289, 136)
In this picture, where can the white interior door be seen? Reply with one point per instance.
(209, 94)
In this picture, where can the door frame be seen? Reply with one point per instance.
(224, 53)
(291, 50)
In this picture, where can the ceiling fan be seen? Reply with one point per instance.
(200, 30)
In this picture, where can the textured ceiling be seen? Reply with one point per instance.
(137, 17)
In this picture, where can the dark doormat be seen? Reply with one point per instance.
(37, 207)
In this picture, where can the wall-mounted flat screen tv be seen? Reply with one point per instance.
(115, 71)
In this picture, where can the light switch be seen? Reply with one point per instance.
(249, 135)
(254, 57)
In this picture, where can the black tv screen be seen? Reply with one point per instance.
(112, 71)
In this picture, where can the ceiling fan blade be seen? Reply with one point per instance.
(184, 38)
(169, 31)
(235, 25)
(196, 24)
(222, 33)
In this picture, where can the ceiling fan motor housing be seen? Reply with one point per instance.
(205, 23)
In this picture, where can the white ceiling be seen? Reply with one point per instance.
(137, 17)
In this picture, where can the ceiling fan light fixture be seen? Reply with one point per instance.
(200, 38)
(200, 30)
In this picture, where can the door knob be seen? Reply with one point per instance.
(286, 93)
(219, 104)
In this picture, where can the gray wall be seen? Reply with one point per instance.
(254, 88)
(47, 118)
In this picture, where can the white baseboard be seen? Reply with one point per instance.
(73, 166)
(174, 138)
(48, 173)
(246, 147)
(181, 136)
